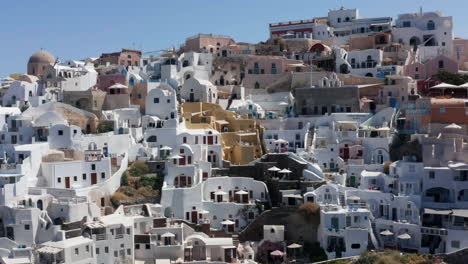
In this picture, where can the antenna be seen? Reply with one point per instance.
(420, 10)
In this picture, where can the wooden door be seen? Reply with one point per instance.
(93, 178)
(67, 182)
(194, 217)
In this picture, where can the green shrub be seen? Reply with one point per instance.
(105, 126)
(138, 168)
(128, 190)
(124, 179)
(310, 212)
(148, 181)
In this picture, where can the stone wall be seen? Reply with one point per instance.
(457, 257)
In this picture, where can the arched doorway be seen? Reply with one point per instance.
(415, 42)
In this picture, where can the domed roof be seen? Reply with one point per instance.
(42, 56)
(49, 118)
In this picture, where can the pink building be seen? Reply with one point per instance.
(261, 71)
(107, 80)
(431, 67)
(460, 53)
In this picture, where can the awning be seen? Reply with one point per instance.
(437, 212)
(354, 198)
(175, 157)
(297, 196)
(49, 250)
(443, 85)
(460, 212)
(242, 192)
(220, 193)
(285, 171)
(222, 122)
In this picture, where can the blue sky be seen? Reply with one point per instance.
(86, 28)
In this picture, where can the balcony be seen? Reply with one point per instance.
(99, 237)
(433, 231)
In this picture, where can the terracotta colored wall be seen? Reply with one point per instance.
(105, 81)
(455, 111)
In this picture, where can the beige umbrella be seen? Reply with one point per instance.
(274, 168)
(386, 233)
(277, 253)
(227, 222)
(404, 236)
(294, 245)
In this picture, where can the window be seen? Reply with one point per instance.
(273, 68)
(27, 227)
(60, 132)
(97, 251)
(430, 25)
(106, 249)
(75, 178)
(406, 23)
(103, 175)
(84, 176)
(116, 254)
(355, 246)
(137, 246)
(356, 219)
(87, 248)
(147, 246)
(339, 20)
(129, 251)
(431, 174)
(455, 243)
(156, 100)
(93, 166)
(77, 251)
(59, 180)
(442, 110)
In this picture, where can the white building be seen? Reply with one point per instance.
(430, 33)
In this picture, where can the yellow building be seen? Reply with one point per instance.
(241, 137)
